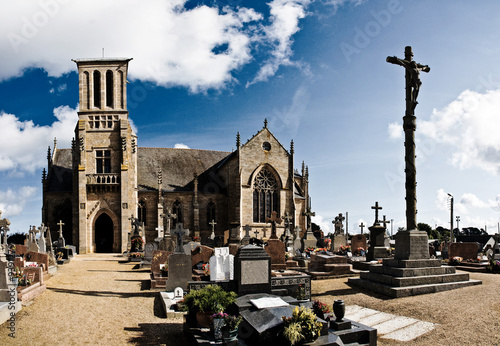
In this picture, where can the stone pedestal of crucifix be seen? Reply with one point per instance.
(288, 236)
(4, 227)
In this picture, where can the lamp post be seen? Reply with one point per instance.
(451, 216)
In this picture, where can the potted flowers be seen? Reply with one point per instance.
(137, 243)
(320, 309)
(230, 327)
(207, 300)
(302, 326)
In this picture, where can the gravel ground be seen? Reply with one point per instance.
(97, 300)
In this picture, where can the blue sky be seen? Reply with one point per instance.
(204, 70)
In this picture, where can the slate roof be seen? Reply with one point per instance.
(178, 167)
(60, 176)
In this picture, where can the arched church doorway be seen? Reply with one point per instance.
(104, 234)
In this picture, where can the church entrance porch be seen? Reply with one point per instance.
(103, 234)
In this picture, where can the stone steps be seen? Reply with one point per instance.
(398, 292)
(415, 280)
(409, 272)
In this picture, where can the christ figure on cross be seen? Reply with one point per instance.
(273, 220)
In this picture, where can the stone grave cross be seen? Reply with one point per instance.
(212, 223)
(256, 232)
(273, 220)
(264, 230)
(361, 225)
(384, 222)
(179, 233)
(308, 213)
(61, 242)
(377, 208)
(247, 230)
(168, 216)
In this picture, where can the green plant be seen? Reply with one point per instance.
(18, 274)
(303, 325)
(209, 298)
(300, 293)
(231, 322)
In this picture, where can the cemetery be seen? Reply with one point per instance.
(289, 286)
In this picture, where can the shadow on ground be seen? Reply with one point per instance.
(104, 293)
(158, 334)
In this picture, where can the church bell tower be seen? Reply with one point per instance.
(104, 158)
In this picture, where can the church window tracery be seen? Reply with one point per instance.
(265, 195)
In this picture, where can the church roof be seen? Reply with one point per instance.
(177, 165)
(60, 176)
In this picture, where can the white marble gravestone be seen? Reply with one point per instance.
(221, 265)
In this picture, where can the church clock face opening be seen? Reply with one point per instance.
(266, 146)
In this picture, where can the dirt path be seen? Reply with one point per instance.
(95, 300)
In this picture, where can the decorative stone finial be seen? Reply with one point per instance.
(291, 147)
(238, 141)
(265, 123)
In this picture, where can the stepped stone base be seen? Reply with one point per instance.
(403, 278)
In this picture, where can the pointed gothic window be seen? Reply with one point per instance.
(177, 210)
(265, 195)
(210, 213)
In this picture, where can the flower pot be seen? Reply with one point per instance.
(339, 310)
(14, 281)
(204, 318)
(228, 336)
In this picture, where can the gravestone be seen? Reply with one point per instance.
(179, 264)
(159, 257)
(252, 270)
(60, 241)
(5, 279)
(42, 244)
(276, 249)
(221, 265)
(190, 246)
(32, 244)
(234, 235)
(464, 250)
(308, 240)
(337, 242)
(201, 254)
(179, 234)
(358, 241)
(246, 238)
(377, 249)
(4, 227)
(149, 249)
(297, 243)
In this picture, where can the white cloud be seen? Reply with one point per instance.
(23, 144)
(181, 146)
(395, 130)
(442, 199)
(13, 202)
(285, 16)
(289, 117)
(469, 125)
(325, 226)
(198, 48)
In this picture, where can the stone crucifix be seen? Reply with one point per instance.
(413, 83)
(212, 223)
(273, 220)
(377, 208)
(288, 220)
(179, 233)
(60, 224)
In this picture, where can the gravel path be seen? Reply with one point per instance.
(97, 300)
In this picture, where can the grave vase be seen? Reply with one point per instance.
(204, 318)
(216, 328)
(339, 310)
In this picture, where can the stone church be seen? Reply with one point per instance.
(105, 179)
